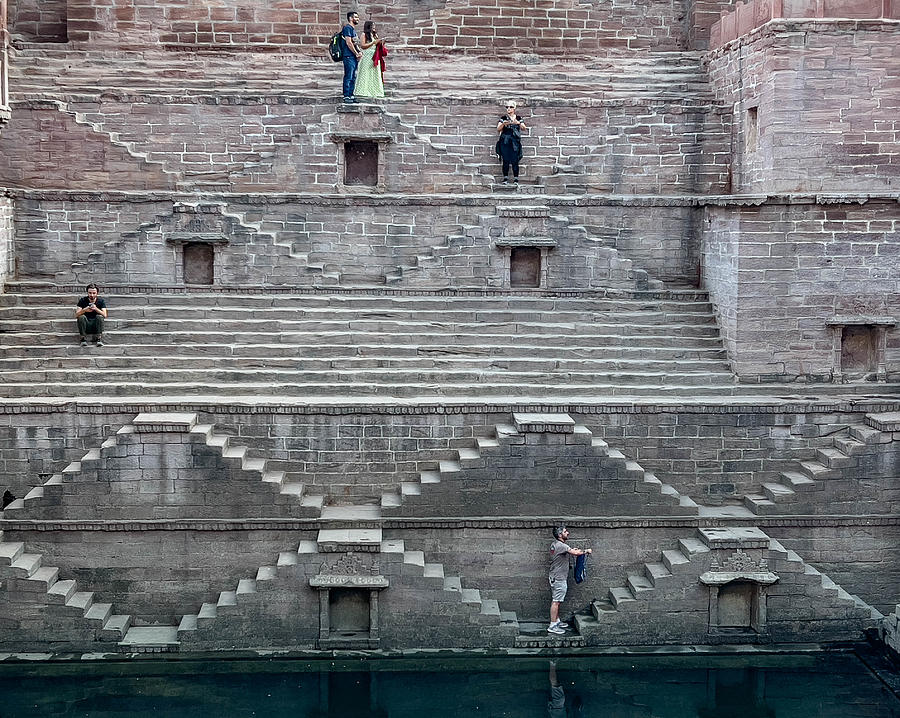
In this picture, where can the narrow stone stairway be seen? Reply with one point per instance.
(56, 602)
(835, 471)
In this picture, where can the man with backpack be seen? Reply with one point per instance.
(350, 54)
(559, 574)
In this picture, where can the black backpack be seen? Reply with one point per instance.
(335, 46)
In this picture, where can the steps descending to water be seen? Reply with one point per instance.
(836, 479)
(78, 619)
(357, 345)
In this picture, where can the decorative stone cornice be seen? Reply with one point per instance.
(538, 523)
(229, 406)
(484, 199)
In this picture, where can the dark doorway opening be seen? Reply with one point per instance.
(361, 163)
(199, 263)
(525, 267)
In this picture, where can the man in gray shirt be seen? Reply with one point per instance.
(559, 573)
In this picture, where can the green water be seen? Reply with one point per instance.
(789, 686)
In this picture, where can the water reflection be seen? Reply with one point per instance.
(794, 686)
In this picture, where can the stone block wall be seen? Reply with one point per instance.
(747, 16)
(778, 273)
(488, 26)
(291, 241)
(7, 241)
(710, 456)
(159, 576)
(861, 556)
(815, 106)
(38, 20)
(246, 144)
(716, 456)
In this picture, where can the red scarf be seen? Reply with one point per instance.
(381, 52)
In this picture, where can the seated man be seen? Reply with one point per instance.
(90, 313)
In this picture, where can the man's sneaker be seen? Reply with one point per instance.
(349, 100)
(99, 340)
(562, 624)
(83, 341)
(505, 181)
(555, 628)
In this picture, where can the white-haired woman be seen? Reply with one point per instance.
(509, 146)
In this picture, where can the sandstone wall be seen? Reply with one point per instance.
(861, 558)
(410, 242)
(778, 272)
(245, 143)
(489, 26)
(7, 241)
(708, 455)
(38, 20)
(815, 106)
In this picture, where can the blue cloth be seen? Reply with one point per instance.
(350, 65)
(580, 568)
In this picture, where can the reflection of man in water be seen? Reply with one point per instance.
(556, 706)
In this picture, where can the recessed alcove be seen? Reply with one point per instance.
(361, 163)
(526, 261)
(751, 130)
(198, 263)
(195, 257)
(348, 607)
(361, 159)
(859, 346)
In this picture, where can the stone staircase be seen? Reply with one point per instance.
(537, 461)
(40, 71)
(674, 582)
(219, 624)
(74, 614)
(62, 496)
(526, 224)
(358, 346)
(834, 470)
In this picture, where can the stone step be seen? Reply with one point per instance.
(26, 564)
(622, 598)
(834, 459)
(674, 559)
(61, 591)
(10, 551)
(657, 573)
(256, 331)
(150, 639)
(204, 363)
(117, 625)
(796, 481)
(135, 391)
(849, 446)
(865, 434)
(691, 546)
(778, 492)
(759, 504)
(46, 317)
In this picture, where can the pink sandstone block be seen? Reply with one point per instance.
(729, 27)
(799, 8)
(743, 18)
(715, 35)
(891, 9)
(865, 9)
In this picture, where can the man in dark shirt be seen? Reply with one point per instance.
(90, 313)
(351, 55)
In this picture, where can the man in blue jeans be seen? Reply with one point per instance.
(351, 55)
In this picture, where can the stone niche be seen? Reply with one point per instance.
(737, 580)
(526, 259)
(362, 159)
(348, 584)
(859, 347)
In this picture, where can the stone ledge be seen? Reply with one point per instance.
(525, 242)
(735, 537)
(486, 199)
(540, 523)
(156, 423)
(228, 406)
(544, 423)
(860, 319)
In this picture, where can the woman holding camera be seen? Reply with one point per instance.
(509, 146)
